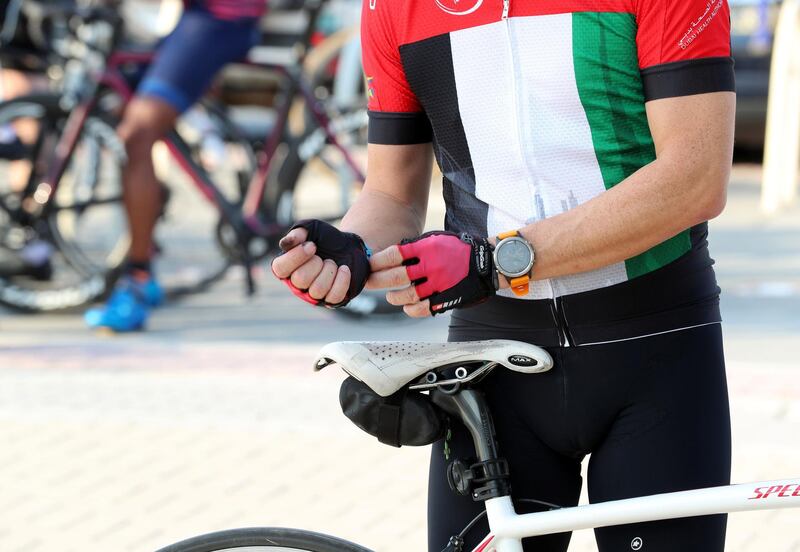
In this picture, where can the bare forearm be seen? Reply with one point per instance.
(684, 186)
(394, 200)
(383, 220)
(652, 205)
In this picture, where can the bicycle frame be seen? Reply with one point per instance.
(245, 218)
(112, 78)
(507, 527)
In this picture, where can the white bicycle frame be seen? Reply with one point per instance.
(508, 528)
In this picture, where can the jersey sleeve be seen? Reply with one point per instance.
(684, 47)
(395, 115)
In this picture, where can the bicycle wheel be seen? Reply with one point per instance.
(264, 539)
(318, 178)
(62, 253)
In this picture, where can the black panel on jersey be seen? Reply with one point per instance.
(398, 128)
(428, 66)
(685, 78)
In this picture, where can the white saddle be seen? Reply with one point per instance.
(387, 366)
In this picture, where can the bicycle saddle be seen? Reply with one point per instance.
(387, 366)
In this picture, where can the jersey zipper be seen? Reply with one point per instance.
(558, 314)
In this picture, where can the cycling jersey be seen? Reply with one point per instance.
(231, 9)
(535, 107)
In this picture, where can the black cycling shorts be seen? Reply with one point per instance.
(651, 412)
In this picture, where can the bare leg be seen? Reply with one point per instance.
(146, 120)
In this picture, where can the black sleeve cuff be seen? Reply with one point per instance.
(397, 129)
(686, 78)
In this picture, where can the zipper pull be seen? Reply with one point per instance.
(505, 9)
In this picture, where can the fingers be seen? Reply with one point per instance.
(293, 238)
(408, 299)
(341, 284)
(387, 258)
(389, 278)
(400, 297)
(418, 310)
(321, 285)
(303, 277)
(285, 265)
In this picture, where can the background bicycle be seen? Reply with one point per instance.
(246, 162)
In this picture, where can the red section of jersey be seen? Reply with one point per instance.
(668, 31)
(671, 31)
(387, 87)
(417, 20)
(552, 7)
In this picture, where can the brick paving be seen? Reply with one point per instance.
(100, 453)
(213, 419)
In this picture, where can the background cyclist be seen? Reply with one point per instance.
(603, 139)
(210, 34)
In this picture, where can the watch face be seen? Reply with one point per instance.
(514, 258)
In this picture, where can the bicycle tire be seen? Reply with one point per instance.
(264, 539)
(77, 226)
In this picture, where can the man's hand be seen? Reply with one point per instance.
(438, 271)
(322, 265)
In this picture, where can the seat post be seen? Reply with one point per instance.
(469, 406)
(489, 477)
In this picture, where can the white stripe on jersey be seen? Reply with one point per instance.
(521, 120)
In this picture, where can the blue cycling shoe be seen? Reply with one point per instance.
(128, 307)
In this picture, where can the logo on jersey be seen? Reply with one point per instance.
(699, 25)
(372, 4)
(459, 7)
(370, 87)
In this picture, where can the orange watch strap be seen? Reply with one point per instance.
(509, 234)
(520, 285)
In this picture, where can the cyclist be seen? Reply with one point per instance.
(587, 144)
(210, 34)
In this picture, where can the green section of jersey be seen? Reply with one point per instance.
(608, 81)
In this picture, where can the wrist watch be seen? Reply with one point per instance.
(513, 258)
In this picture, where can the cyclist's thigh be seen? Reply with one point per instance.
(193, 53)
(537, 472)
(674, 434)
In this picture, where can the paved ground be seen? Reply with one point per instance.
(213, 418)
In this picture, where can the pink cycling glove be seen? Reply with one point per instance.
(450, 270)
